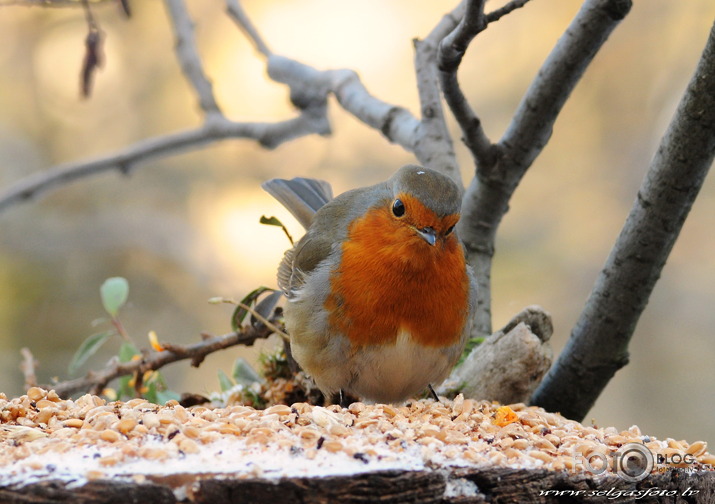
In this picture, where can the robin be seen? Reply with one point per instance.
(379, 293)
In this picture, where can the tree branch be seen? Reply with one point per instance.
(598, 346)
(309, 91)
(487, 198)
(451, 52)
(51, 3)
(95, 381)
(452, 48)
(509, 364)
(189, 57)
(269, 135)
(434, 147)
(427, 138)
(309, 85)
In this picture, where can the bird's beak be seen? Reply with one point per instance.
(428, 234)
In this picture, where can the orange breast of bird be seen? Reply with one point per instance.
(389, 280)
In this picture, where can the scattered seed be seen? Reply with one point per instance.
(75, 423)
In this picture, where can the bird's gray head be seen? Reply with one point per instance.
(435, 191)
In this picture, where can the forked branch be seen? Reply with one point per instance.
(499, 170)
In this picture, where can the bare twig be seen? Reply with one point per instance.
(263, 320)
(236, 12)
(91, 22)
(497, 14)
(126, 8)
(599, 342)
(433, 145)
(189, 57)
(451, 51)
(269, 135)
(28, 366)
(454, 45)
(95, 381)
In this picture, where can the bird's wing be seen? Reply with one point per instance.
(328, 226)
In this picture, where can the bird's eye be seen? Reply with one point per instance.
(449, 231)
(398, 208)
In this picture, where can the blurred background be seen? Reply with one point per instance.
(185, 228)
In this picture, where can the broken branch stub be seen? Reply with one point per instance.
(509, 365)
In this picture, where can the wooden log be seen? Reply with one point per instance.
(456, 486)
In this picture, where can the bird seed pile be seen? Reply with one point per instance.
(43, 436)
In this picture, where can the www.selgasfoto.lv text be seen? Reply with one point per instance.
(614, 493)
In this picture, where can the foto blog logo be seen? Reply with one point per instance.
(631, 462)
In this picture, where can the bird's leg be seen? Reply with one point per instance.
(344, 401)
(434, 394)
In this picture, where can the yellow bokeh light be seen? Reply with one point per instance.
(247, 251)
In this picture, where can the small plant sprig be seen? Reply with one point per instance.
(114, 293)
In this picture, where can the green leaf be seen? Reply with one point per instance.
(164, 396)
(271, 221)
(239, 314)
(243, 373)
(87, 349)
(114, 292)
(127, 351)
(157, 391)
(125, 391)
(151, 393)
(225, 382)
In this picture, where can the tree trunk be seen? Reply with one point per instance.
(598, 346)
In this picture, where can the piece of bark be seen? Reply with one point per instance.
(456, 486)
(509, 365)
(101, 491)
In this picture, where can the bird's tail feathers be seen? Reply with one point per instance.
(301, 196)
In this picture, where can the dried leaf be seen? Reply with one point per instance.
(504, 416)
(154, 341)
(125, 7)
(92, 59)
